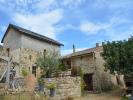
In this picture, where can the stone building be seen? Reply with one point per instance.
(92, 64)
(24, 45)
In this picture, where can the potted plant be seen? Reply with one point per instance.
(52, 87)
(41, 84)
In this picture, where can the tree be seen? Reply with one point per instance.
(49, 62)
(118, 56)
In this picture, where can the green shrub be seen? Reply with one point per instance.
(125, 98)
(83, 85)
(40, 80)
(24, 72)
(62, 67)
(52, 86)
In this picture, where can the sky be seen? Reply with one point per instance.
(80, 22)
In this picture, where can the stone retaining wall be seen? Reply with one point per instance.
(65, 86)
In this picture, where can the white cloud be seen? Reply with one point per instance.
(72, 2)
(35, 15)
(1, 43)
(44, 4)
(67, 27)
(43, 23)
(109, 27)
(112, 4)
(69, 51)
(114, 35)
(90, 28)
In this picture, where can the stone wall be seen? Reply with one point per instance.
(103, 78)
(65, 86)
(93, 63)
(37, 45)
(3, 52)
(86, 62)
(12, 40)
(15, 40)
(28, 58)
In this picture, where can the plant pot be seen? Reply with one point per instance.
(52, 92)
(41, 87)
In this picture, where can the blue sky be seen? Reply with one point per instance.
(82, 22)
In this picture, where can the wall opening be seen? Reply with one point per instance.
(34, 68)
(88, 79)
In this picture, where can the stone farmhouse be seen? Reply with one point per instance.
(24, 45)
(92, 64)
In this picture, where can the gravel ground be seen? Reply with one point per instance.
(113, 95)
(102, 96)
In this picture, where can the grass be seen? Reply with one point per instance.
(23, 96)
(125, 98)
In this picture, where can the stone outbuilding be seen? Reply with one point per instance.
(24, 46)
(92, 65)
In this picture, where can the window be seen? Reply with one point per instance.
(34, 70)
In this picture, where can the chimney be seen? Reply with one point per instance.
(73, 48)
(97, 44)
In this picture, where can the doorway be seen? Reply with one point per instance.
(88, 79)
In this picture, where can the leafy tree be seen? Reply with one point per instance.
(49, 62)
(118, 56)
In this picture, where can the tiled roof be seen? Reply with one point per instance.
(31, 34)
(83, 52)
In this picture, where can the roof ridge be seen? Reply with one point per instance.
(85, 51)
(31, 33)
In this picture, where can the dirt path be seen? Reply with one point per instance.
(99, 97)
(113, 95)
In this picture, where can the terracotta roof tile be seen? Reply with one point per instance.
(86, 51)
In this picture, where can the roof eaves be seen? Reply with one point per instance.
(82, 54)
(32, 34)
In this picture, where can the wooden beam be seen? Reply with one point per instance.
(8, 74)
(3, 74)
